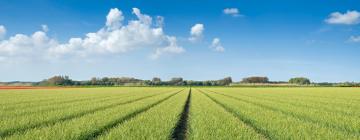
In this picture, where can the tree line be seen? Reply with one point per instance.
(129, 81)
(156, 81)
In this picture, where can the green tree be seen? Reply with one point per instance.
(255, 79)
(225, 81)
(176, 81)
(156, 81)
(59, 81)
(300, 81)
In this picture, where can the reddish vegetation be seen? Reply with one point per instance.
(26, 87)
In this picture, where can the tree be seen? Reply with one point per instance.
(156, 81)
(255, 79)
(225, 81)
(94, 81)
(59, 80)
(176, 81)
(300, 81)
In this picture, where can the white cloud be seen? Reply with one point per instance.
(113, 39)
(348, 18)
(355, 39)
(2, 31)
(159, 21)
(232, 11)
(172, 48)
(196, 32)
(216, 45)
(114, 19)
(143, 18)
(26, 47)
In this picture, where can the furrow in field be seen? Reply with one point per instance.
(347, 108)
(331, 122)
(119, 121)
(57, 107)
(40, 98)
(13, 123)
(63, 106)
(208, 120)
(332, 98)
(27, 102)
(279, 125)
(156, 123)
(341, 106)
(302, 103)
(58, 99)
(7, 132)
(302, 94)
(330, 93)
(179, 132)
(91, 125)
(53, 96)
(49, 102)
(264, 133)
(297, 103)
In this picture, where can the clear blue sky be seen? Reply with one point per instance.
(279, 39)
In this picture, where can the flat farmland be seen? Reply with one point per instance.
(180, 113)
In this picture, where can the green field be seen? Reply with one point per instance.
(180, 113)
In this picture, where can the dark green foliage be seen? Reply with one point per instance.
(155, 81)
(300, 81)
(255, 79)
(225, 81)
(111, 81)
(58, 81)
(348, 84)
(176, 81)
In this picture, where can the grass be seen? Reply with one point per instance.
(180, 113)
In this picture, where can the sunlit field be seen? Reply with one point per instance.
(180, 113)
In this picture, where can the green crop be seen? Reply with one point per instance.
(161, 113)
(157, 123)
(210, 121)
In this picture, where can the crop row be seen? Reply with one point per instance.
(318, 105)
(68, 104)
(208, 120)
(52, 97)
(32, 122)
(342, 122)
(158, 122)
(176, 113)
(275, 122)
(96, 124)
(342, 97)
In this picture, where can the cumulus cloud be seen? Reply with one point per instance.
(355, 39)
(172, 48)
(23, 46)
(196, 32)
(142, 18)
(113, 39)
(2, 31)
(159, 21)
(114, 18)
(348, 18)
(232, 11)
(216, 45)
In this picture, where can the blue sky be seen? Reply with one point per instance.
(279, 39)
